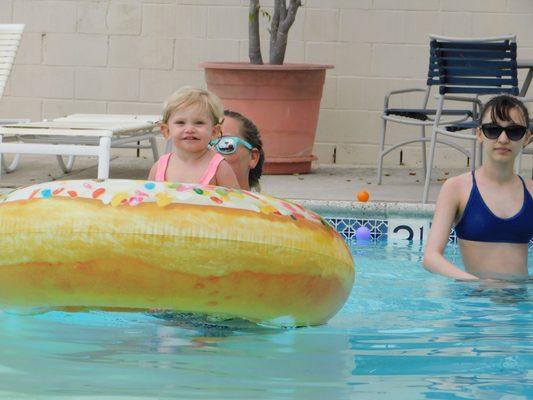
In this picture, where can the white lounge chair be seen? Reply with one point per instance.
(10, 37)
(82, 134)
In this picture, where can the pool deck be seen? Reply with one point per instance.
(326, 185)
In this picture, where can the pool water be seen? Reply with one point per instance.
(403, 334)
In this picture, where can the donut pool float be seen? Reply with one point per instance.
(142, 245)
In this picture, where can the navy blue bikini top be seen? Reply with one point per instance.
(478, 223)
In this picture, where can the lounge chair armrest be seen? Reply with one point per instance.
(400, 91)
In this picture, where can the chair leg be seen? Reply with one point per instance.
(169, 146)
(155, 150)
(381, 148)
(423, 145)
(103, 157)
(473, 155)
(427, 181)
(67, 168)
(1, 156)
(14, 164)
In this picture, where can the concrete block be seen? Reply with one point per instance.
(189, 53)
(75, 49)
(445, 157)
(159, 20)
(325, 152)
(143, 52)
(349, 59)
(483, 6)
(227, 23)
(124, 17)
(405, 61)
(155, 86)
(46, 16)
(418, 5)
(486, 24)
(349, 126)
(419, 25)
(520, 6)
(521, 27)
(91, 17)
(134, 108)
(6, 11)
(107, 84)
(321, 25)
(20, 107)
(30, 49)
(329, 92)
(366, 93)
(456, 24)
(360, 154)
(192, 21)
(42, 81)
(211, 2)
(61, 108)
(117, 16)
(339, 4)
(372, 26)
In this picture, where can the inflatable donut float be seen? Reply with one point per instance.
(141, 245)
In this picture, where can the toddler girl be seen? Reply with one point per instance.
(191, 119)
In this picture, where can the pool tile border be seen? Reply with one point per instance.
(396, 221)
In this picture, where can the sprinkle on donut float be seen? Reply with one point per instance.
(140, 245)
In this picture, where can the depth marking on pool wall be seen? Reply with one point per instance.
(408, 229)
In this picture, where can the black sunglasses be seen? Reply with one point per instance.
(513, 132)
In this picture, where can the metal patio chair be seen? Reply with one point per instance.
(422, 117)
(10, 37)
(485, 66)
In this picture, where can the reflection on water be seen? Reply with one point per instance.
(403, 334)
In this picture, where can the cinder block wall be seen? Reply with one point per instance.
(125, 56)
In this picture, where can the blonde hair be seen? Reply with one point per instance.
(190, 96)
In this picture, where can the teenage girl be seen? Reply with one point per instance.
(492, 208)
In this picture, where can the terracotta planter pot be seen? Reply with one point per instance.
(282, 100)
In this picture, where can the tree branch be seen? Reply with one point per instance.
(279, 40)
(279, 6)
(254, 45)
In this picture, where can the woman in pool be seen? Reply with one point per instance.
(492, 208)
(241, 146)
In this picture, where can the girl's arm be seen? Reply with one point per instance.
(225, 176)
(445, 212)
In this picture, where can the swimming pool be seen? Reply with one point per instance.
(403, 334)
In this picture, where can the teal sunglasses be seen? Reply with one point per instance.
(228, 144)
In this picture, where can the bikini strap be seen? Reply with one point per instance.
(162, 165)
(211, 169)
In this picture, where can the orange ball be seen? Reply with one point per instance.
(363, 196)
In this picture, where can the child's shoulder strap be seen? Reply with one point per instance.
(211, 169)
(162, 165)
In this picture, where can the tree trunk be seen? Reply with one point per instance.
(254, 46)
(282, 21)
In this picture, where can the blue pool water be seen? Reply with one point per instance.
(403, 334)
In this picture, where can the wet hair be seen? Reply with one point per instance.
(251, 134)
(500, 109)
(190, 96)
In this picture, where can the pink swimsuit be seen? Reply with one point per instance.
(209, 173)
